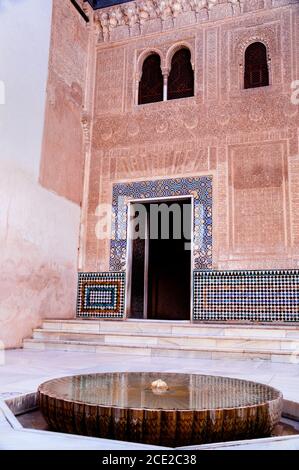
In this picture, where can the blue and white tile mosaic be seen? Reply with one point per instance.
(262, 296)
(199, 187)
(101, 295)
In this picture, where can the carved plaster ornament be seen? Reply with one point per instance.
(255, 114)
(86, 125)
(198, 5)
(133, 128)
(147, 11)
(186, 5)
(132, 16)
(164, 9)
(139, 12)
(289, 109)
(176, 8)
(104, 22)
(212, 3)
(117, 18)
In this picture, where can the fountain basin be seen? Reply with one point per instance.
(194, 409)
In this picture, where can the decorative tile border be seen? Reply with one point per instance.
(101, 295)
(199, 187)
(263, 296)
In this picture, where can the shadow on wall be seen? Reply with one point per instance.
(39, 234)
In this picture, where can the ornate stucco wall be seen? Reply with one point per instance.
(246, 139)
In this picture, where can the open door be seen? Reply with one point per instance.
(160, 260)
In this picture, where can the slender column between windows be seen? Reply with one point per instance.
(165, 86)
(137, 85)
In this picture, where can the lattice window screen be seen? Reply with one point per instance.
(181, 77)
(256, 66)
(151, 84)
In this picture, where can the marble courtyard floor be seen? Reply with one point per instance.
(24, 370)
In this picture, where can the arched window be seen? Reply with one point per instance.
(151, 83)
(181, 77)
(256, 72)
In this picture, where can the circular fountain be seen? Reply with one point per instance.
(161, 409)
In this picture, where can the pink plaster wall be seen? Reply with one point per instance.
(62, 156)
(247, 139)
(39, 230)
(39, 234)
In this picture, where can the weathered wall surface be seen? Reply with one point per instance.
(247, 139)
(39, 230)
(63, 157)
(38, 257)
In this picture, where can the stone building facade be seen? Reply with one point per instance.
(232, 149)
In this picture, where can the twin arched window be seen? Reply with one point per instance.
(154, 87)
(180, 83)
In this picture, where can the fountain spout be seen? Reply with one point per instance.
(159, 386)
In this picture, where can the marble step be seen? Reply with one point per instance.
(174, 328)
(177, 340)
(162, 350)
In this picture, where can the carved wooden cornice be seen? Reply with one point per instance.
(134, 15)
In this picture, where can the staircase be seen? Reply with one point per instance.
(172, 339)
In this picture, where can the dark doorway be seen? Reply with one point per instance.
(161, 260)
